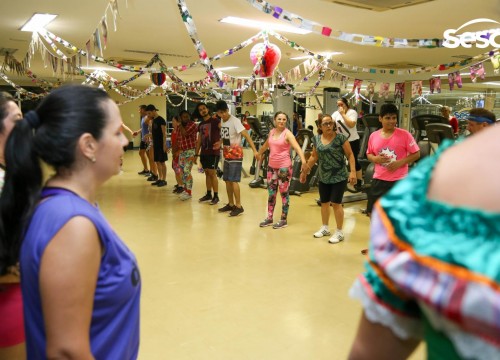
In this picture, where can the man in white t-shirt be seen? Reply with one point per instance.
(231, 132)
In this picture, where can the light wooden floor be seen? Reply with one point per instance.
(221, 288)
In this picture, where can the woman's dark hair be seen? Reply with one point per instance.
(344, 100)
(64, 116)
(279, 113)
(4, 99)
(320, 122)
(184, 112)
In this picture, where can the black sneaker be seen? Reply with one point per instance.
(207, 197)
(154, 183)
(143, 172)
(179, 190)
(161, 183)
(214, 201)
(152, 178)
(226, 208)
(236, 211)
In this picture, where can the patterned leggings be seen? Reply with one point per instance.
(186, 163)
(278, 178)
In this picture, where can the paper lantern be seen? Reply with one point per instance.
(269, 55)
(158, 78)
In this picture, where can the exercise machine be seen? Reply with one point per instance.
(260, 131)
(304, 139)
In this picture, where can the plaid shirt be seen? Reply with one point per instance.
(188, 141)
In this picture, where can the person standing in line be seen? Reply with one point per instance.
(479, 119)
(80, 283)
(296, 123)
(12, 336)
(445, 111)
(160, 150)
(391, 150)
(208, 150)
(178, 188)
(349, 118)
(186, 142)
(148, 139)
(231, 132)
(433, 274)
(143, 145)
(330, 150)
(279, 172)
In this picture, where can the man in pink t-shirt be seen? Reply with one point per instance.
(391, 150)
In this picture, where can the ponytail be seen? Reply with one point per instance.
(23, 181)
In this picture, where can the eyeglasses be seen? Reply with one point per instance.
(328, 123)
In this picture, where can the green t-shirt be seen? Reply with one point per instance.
(331, 160)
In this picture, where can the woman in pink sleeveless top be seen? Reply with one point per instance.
(279, 172)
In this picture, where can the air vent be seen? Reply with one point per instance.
(128, 62)
(379, 5)
(399, 65)
(159, 53)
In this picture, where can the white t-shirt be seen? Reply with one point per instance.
(230, 133)
(353, 132)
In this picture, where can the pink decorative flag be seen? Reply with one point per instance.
(416, 88)
(435, 84)
(399, 90)
(384, 90)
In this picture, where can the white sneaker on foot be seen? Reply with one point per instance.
(323, 231)
(184, 196)
(337, 237)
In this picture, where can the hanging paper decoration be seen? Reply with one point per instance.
(158, 78)
(360, 39)
(104, 28)
(399, 90)
(370, 89)
(384, 90)
(268, 55)
(416, 88)
(477, 71)
(455, 78)
(356, 87)
(495, 61)
(435, 84)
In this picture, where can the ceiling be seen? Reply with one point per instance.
(147, 27)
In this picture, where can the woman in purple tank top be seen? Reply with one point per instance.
(80, 283)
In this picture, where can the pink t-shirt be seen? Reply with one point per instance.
(279, 150)
(398, 146)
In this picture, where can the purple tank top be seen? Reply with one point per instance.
(114, 327)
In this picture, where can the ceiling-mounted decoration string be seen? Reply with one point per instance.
(191, 29)
(359, 39)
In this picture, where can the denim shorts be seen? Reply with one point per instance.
(232, 170)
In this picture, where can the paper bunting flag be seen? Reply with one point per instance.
(356, 87)
(495, 61)
(477, 71)
(455, 78)
(384, 90)
(416, 88)
(399, 90)
(435, 84)
(370, 89)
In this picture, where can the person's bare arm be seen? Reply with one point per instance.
(295, 145)
(377, 342)
(352, 165)
(68, 276)
(244, 133)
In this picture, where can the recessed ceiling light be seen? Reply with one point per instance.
(37, 21)
(262, 25)
(226, 68)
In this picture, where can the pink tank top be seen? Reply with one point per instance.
(279, 151)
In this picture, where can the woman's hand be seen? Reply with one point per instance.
(352, 178)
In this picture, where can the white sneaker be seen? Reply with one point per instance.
(323, 231)
(337, 237)
(184, 196)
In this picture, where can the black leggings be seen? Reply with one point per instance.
(355, 151)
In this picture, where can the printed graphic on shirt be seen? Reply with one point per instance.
(231, 151)
(390, 154)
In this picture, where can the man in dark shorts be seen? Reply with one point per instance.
(159, 135)
(143, 145)
(208, 149)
